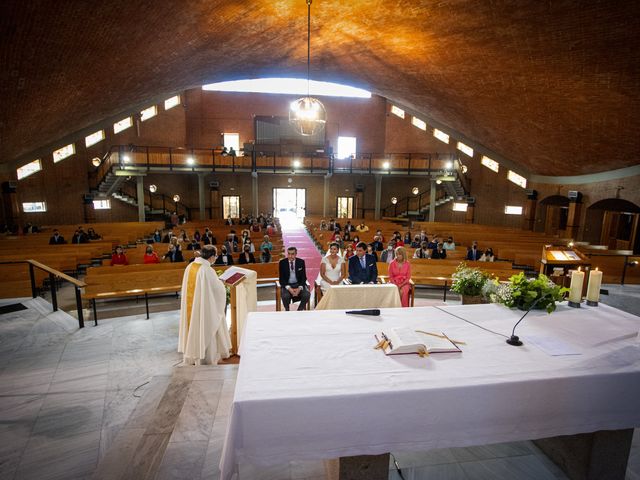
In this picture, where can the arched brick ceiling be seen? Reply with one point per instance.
(551, 85)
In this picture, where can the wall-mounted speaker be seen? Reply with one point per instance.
(9, 187)
(574, 196)
(471, 200)
(214, 184)
(359, 187)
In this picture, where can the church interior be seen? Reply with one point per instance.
(450, 138)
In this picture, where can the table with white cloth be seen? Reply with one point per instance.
(336, 396)
(378, 295)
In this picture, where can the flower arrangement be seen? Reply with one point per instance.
(468, 281)
(524, 293)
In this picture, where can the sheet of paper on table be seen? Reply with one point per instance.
(553, 346)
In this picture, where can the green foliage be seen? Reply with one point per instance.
(468, 281)
(523, 293)
(226, 287)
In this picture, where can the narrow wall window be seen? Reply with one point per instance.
(29, 169)
(172, 102)
(440, 135)
(102, 204)
(34, 207)
(230, 206)
(148, 113)
(64, 152)
(94, 138)
(122, 125)
(346, 147)
(345, 207)
(231, 140)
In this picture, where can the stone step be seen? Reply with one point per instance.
(180, 418)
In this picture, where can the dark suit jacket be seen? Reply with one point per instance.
(359, 275)
(56, 241)
(474, 255)
(242, 259)
(219, 260)
(283, 272)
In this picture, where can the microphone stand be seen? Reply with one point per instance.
(514, 339)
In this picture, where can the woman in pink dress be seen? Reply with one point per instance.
(400, 274)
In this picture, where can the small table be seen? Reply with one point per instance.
(341, 297)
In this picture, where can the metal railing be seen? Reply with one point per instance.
(53, 274)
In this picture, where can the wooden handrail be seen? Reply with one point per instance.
(57, 273)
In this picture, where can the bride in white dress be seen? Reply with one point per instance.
(331, 268)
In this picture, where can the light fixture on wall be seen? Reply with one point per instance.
(465, 169)
(190, 161)
(153, 188)
(415, 190)
(176, 198)
(386, 165)
(439, 181)
(307, 114)
(296, 164)
(448, 165)
(96, 161)
(126, 159)
(394, 200)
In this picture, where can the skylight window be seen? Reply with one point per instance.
(512, 210)
(466, 149)
(34, 207)
(122, 125)
(94, 138)
(29, 169)
(460, 207)
(440, 135)
(171, 102)
(421, 124)
(291, 86)
(148, 113)
(397, 111)
(64, 152)
(490, 164)
(517, 179)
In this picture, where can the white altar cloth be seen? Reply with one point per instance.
(311, 386)
(378, 295)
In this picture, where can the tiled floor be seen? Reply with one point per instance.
(73, 401)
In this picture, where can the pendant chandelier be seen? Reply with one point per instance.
(307, 114)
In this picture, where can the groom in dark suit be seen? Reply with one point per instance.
(362, 266)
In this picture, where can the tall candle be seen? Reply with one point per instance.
(575, 290)
(593, 290)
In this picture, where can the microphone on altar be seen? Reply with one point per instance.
(372, 312)
(514, 339)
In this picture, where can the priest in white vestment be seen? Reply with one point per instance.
(203, 337)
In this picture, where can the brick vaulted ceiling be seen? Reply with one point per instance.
(553, 86)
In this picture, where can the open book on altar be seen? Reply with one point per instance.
(231, 276)
(402, 341)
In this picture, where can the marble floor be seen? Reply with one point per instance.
(111, 402)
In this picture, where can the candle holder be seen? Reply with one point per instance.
(574, 304)
(591, 303)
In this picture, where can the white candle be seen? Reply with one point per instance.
(593, 290)
(575, 292)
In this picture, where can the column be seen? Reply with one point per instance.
(10, 202)
(254, 193)
(378, 196)
(140, 197)
(325, 195)
(201, 197)
(216, 212)
(89, 211)
(432, 201)
(530, 210)
(573, 218)
(470, 211)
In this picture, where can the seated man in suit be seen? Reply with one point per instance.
(474, 253)
(56, 238)
(362, 266)
(293, 279)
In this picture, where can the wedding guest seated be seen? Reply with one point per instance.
(224, 258)
(245, 234)
(229, 221)
(433, 244)
(331, 268)
(415, 242)
(397, 240)
(423, 251)
(449, 244)
(196, 236)
(372, 251)
(293, 280)
(168, 236)
(183, 237)
(118, 257)
(56, 238)
(439, 253)
(271, 229)
(79, 236)
(255, 227)
(362, 266)
(473, 252)
(193, 245)
(230, 245)
(355, 241)
(348, 227)
(377, 243)
(423, 236)
(150, 256)
(332, 225)
(400, 274)
(346, 236)
(265, 256)
(339, 241)
(208, 238)
(389, 254)
(488, 256)
(362, 228)
(348, 252)
(92, 235)
(252, 247)
(336, 233)
(156, 237)
(174, 253)
(380, 235)
(323, 224)
(246, 256)
(266, 243)
(407, 238)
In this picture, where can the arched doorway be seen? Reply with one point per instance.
(613, 222)
(553, 215)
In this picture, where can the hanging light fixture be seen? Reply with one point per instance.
(307, 114)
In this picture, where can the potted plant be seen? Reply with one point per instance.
(526, 293)
(468, 283)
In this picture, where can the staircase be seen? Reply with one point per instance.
(425, 209)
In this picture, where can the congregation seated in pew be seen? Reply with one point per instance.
(246, 256)
(56, 238)
(224, 258)
(118, 257)
(150, 256)
(174, 253)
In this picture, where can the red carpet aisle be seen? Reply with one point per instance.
(297, 236)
